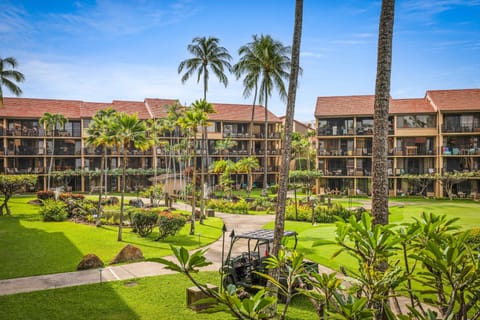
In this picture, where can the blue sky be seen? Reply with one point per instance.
(129, 50)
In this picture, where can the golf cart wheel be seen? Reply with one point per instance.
(228, 280)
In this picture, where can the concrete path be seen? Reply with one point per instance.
(240, 223)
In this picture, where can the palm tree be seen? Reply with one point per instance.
(126, 130)
(265, 63)
(207, 56)
(225, 168)
(204, 108)
(99, 136)
(247, 165)
(8, 77)
(174, 113)
(380, 117)
(224, 145)
(284, 168)
(156, 127)
(51, 122)
(192, 119)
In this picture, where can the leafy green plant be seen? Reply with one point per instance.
(144, 221)
(226, 299)
(169, 224)
(53, 210)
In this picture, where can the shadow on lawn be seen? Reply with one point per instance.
(98, 301)
(31, 251)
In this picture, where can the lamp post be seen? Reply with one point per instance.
(224, 229)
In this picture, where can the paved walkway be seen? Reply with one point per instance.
(240, 223)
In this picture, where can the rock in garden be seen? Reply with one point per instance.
(90, 261)
(128, 253)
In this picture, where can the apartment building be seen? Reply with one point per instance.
(438, 133)
(27, 147)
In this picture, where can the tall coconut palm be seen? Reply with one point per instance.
(126, 130)
(265, 63)
(9, 77)
(380, 117)
(99, 136)
(175, 111)
(207, 56)
(51, 122)
(191, 121)
(284, 167)
(204, 108)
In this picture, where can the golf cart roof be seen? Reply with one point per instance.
(266, 235)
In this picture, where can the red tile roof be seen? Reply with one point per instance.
(35, 108)
(159, 107)
(131, 107)
(405, 106)
(89, 109)
(364, 105)
(455, 100)
(241, 112)
(344, 105)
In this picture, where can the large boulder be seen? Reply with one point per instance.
(128, 253)
(90, 261)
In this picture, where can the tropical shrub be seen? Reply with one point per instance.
(46, 194)
(323, 214)
(144, 221)
(474, 237)
(169, 224)
(69, 195)
(53, 210)
(228, 206)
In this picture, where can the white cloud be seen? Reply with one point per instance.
(312, 54)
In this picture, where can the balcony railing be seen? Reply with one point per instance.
(447, 128)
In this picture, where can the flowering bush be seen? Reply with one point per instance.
(69, 195)
(144, 221)
(44, 195)
(169, 224)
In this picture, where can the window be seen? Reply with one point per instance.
(416, 121)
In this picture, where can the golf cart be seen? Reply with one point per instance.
(238, 267)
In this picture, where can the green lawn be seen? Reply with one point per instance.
(404, 210)
(146, 298)
(30, 246)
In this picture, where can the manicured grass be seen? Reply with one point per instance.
(146, 298)
(30, 246)
(403, 211)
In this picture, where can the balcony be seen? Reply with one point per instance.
(466, 128)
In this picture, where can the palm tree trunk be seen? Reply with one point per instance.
(265, 147)
(102, 170)
(202, 177)
(122, 198)
(51, 163)
(251, 150)
(285, 167)
(194, 184)
(380, 119)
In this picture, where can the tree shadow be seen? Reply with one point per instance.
(81, 302)
(29, 252)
